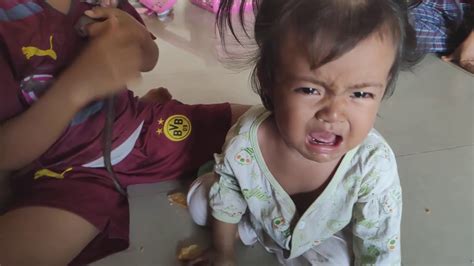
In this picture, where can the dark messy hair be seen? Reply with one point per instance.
(328, 29)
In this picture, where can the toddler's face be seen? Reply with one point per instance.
(325, 112)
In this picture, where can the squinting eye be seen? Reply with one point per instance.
(309, 91)
(364, 95)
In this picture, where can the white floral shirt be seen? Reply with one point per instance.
(364, 192)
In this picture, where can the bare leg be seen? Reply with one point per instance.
(42, 236)
(198, 200)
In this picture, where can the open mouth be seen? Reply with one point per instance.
(324, 139)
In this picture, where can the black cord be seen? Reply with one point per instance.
(107, 141)
(107, 136)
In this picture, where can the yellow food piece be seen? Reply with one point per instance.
(189, 253)
(178, 198)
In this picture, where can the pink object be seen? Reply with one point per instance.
(159, 7)
(213, 5)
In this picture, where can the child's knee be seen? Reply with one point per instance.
(198, 198)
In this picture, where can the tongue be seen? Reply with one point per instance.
(325, 137)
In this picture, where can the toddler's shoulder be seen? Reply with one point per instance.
(375, 145)
(375, 154)
(244, 129)
(239, 144)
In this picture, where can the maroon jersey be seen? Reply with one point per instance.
(37, 43)
(152, 142)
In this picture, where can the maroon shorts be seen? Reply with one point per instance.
(174, 141)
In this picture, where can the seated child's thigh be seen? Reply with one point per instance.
(176, 139)
(86, 192)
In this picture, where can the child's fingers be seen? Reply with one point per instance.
(203, 259)
(105, 3)
(109, 3)
(100, 12)
(453, 57)
(97, 28)
(448, 58)
(198, 261)
(82, 23)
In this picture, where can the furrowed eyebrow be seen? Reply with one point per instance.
(311, 80)
(352, 87)
(366, 85)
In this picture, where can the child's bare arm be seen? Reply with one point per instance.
(223, 238)
(99, 71)
(221, 252)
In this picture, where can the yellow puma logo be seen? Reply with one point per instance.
(31, 51)
(51, 174)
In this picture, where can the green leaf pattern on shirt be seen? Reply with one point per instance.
(392, 201)
(371, 256)
(256, 193)
(367, 187)
(368, 224)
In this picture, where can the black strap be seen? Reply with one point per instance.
(107, 141)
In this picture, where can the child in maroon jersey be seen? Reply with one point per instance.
(65, 207)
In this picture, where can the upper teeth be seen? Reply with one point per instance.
(318, 141)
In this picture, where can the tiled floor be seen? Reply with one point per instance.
(429, 122)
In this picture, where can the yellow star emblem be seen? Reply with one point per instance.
(161, 121)
(159, 131)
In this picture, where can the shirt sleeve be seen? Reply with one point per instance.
(378, 211)
(225, 197)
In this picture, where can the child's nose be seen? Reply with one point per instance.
(333, 111)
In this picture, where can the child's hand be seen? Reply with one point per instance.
(112, 58)
(224, 260)
(109, 3)
(136, 30)
(464, 54)
(124, 20)
(159, 95)
(212, 257)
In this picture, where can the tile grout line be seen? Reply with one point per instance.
(432, 151)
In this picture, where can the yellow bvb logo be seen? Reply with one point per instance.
(177, 127)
